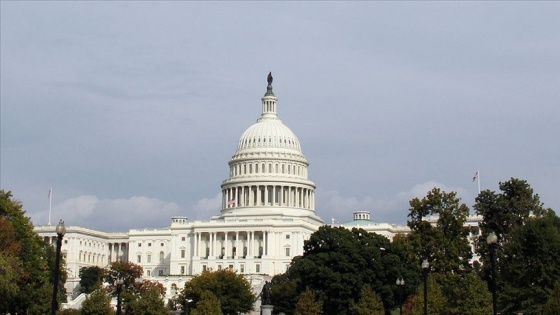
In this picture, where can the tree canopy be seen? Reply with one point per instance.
(90, 278)
(232, 289)
(26, 263)
(337, 262)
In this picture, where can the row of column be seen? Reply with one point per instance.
(118, 252)
(268, 195)
(221, 244)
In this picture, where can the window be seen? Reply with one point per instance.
(182, 270)
(161, 256)
(204, 267)
(287, 252)
(149, 244)
(161, 244)
(160, 272)
(149, 258)
(139, 244)
(219, 267)
(230, 267)
(183, 238)
(287, 236)
(242, 268)
(182, 253)
(257, 268)
(139, 259)
(148, 273)
(65, 241)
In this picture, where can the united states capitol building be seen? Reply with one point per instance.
(267, 212)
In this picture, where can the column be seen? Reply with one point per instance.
(237, 245)
(265, 189)
(226, 247)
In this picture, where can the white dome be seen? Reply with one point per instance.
(268, 133)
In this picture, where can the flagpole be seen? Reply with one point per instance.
(50, 205)
(478, 180)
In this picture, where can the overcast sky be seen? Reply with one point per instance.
(131, 111)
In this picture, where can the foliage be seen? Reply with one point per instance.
(209, 304)
(436, 300)
(445, 245)
(369, 303)
(528, 267)
(528, 245)
(97, 303)
(337, 262)
(148, 301)
(553, 304)
(91, 277)
(284, 295)
(28, 263)
(307, 304)
(466, 294)
(69, 311)
(232, 289)
(125, 270)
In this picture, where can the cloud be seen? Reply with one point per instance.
(112, 214)
(206, 207)
(393, 209)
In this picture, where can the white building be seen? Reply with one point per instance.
(268, 211)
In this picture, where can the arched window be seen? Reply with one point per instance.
(161, 256)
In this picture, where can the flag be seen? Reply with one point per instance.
(475, 176)
(231, 202)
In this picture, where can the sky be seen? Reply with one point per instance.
(131, 110)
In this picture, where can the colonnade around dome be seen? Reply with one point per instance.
(269, 196)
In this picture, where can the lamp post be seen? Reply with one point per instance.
(400, 287)
(60, 231)
(492, 241)
(425, 266)
(119, 283)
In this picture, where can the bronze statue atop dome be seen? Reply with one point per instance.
(269, 79)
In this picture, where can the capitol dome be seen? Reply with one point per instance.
(268, 171)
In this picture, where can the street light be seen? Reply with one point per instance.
(60, 231)
(119, 283)
(492, 241)
(400, 287)
(425, 266)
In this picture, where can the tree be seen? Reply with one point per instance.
(369, 304)
(284, 293)
(529, 265)
(337, 262)
(436, 301)
(553, 304)
(28, 262)
(97, 303)
(307, 304)
(129, 273)
(528, 246)
(208, 304)
(444, 245)
(148, 301)
(90, 278)
(466, 294)
(232, 289)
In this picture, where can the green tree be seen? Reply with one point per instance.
(527, 252)
(129, 273)
(90, 278)
(148, 301)
(529, 265)
(553, 304)
(308, 304)
(209, 304)
(436, 301)
(232, 289)
(445, 245)
(369, 303)
(28, 262)
(466, 294)
(97, 303)
(284, 293)
(337, 262)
